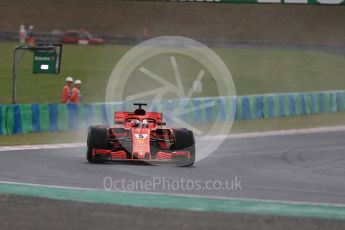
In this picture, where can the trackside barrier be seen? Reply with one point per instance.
(27, 118)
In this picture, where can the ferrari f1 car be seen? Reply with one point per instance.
(140, 136)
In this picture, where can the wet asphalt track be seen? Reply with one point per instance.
(300, 167)
(37, 213)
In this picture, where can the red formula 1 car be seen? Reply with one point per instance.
(142, 136)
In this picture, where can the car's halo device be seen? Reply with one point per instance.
(140, 136)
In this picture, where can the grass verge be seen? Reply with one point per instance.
(254, 71)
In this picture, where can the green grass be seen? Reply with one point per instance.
(42, 138)
(286, 123)
(254, 71)
(258, 71)
(91, 64)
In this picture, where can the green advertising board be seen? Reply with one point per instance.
(47, 59)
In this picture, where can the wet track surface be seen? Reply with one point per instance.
(300, 167)
(38, 213)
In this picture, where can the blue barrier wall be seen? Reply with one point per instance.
(26, 118)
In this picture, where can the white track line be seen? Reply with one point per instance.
(287, 132)
(231, 136)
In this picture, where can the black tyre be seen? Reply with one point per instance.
(184, 141)
(98, 137)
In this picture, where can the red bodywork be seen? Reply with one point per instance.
(134, 141)
(81, 37)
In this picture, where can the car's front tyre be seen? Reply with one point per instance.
(97, 138)
(184, 141)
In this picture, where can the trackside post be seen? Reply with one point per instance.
(47, 59)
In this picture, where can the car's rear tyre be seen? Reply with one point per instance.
(184, 141)
(97, 138)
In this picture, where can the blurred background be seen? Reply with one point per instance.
(269, 48)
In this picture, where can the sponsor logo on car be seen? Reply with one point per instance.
(140, 136)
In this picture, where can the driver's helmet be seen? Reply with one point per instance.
(135, 123)
(145, 123)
